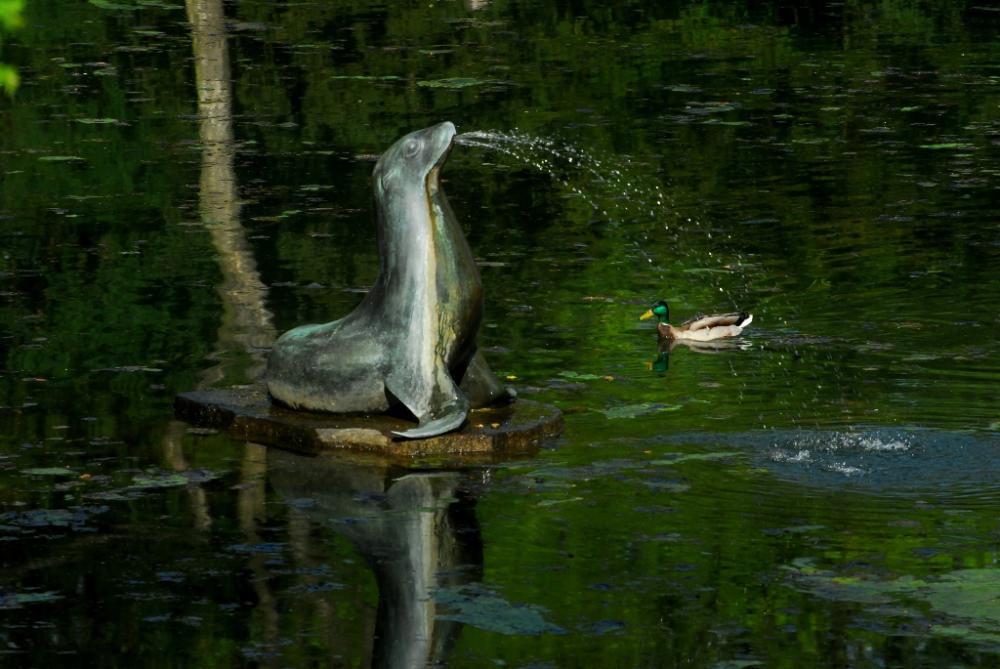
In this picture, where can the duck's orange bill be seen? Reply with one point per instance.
(648, 314)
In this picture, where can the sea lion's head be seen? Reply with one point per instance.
(414, 159)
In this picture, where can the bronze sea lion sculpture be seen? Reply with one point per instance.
(412, 340)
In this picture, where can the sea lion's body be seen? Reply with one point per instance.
(412, 340)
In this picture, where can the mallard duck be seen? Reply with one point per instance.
(700, 328)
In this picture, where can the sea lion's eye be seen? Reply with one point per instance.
(411, 148)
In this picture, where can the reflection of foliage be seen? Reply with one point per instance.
(10, 18)
(106, 270)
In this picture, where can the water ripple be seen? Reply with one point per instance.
(891, 461)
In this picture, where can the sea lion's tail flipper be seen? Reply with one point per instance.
(444, 411)
(482, 386)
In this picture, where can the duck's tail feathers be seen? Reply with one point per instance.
(745, 320)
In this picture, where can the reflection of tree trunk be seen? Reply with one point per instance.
(246, 330)
(246, 324)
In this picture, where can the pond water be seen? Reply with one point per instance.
(176, 191)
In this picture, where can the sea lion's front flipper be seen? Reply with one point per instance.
(452, 419)
(440, 409)
(482, 386)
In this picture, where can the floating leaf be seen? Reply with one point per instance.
(633, 410)
(167, 481)
(715, 121)
(688, 457)
(48, 471)
(476, 606)
(706, 270)
(948, 145)
(553, 502)
(98, 121)
(970, 598)
(667, 486)
(580, 377)
(16, 600)
(117, 6)
(159, 4)
(366, 77)
(262, 548)
(73, 517)
(173, 479)
(122, 7)
(453, 82)
(130, 369)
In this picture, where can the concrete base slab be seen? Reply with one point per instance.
(488, 435)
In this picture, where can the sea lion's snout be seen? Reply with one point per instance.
(444, 135)
(447, 128)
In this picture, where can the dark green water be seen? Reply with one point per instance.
(824, 495)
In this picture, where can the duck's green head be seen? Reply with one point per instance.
(660, 310)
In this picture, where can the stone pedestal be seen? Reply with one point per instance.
(488, 435)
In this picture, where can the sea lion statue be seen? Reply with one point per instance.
(412, 340)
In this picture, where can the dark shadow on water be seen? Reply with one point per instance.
(418, 532)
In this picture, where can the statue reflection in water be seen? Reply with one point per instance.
(417, 531)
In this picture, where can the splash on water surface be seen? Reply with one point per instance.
(891, 461)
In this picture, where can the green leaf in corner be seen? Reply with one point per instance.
(9, 79)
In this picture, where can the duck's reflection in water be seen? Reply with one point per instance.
(417, 530)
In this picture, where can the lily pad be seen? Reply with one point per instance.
(166, 481)
(366, 77)
(948, 145)
(74, 518)
(48, 471)
(98, 121)
(452, 82)
(115, 6)
(580, 377)
(15, 600)
(553, 502)
(262, 548)
(969, 598)
(687, 457)
(479, 607)
(172, 479)
(634, 410)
